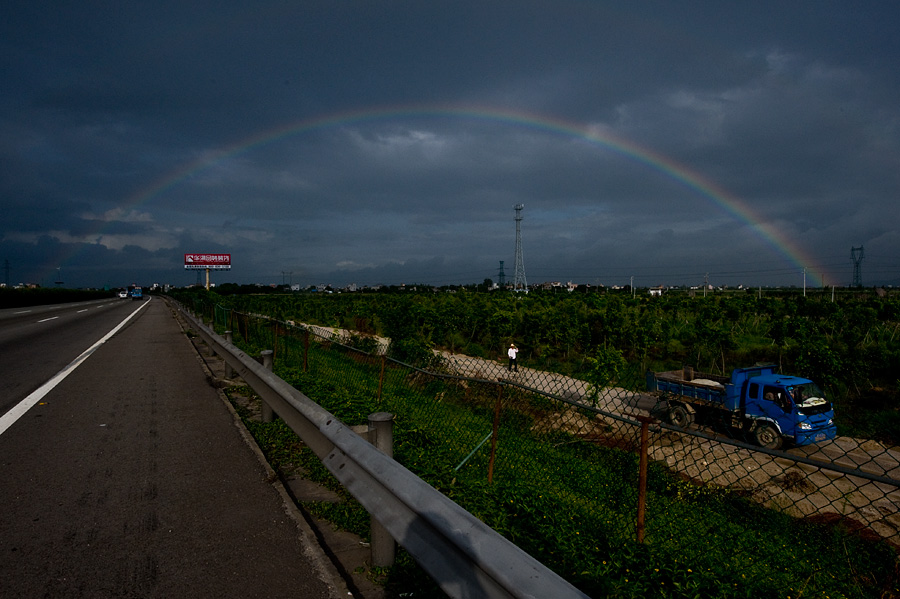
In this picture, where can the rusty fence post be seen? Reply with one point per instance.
(275, 340)
(306, 351)
(642, 475)
(495, 435)
(266, 413)
(381, 435)
(381, 376)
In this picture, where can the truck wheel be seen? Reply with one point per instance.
(680, 416)
(767, 436)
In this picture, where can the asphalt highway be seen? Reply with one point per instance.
(37, 342)
(129, 477)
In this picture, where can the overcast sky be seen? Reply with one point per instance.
(387, 142)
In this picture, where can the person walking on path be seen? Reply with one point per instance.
(513, 350)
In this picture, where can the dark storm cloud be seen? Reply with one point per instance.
(132, 133)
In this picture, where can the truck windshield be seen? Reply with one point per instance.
(809, 398)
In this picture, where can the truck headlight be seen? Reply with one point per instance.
(804, 426)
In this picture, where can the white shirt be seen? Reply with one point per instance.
(512, 352)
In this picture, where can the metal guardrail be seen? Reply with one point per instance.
(463, 555)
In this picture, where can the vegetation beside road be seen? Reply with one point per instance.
(571, 505)
(850, 346)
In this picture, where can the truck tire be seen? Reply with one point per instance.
(680, 416)
(767, 436)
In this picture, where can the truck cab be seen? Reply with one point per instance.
(790, 407)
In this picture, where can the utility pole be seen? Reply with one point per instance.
(804, 281)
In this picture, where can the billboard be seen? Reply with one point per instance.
(211, 261)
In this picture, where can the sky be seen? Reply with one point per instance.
(664, 143)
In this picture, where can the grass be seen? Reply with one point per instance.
(571, 503)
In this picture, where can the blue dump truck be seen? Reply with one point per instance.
(771, 407)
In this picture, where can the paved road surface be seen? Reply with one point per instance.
(37, 342)
(129, 479)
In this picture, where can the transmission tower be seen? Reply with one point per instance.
(857, 254)
(501, 276)
(519, 284)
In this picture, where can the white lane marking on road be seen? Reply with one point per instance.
(85, 310)
(8, 419)
(51, 318)
(22, 312)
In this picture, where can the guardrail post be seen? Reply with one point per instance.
(229, 371)
(642, 475)
(210, 351)
(267, 360)
(381, 435)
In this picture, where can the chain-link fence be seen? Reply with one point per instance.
(595, 484)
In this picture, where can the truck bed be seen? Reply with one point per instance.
(691, 377)
(704, 387)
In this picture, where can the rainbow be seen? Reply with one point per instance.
(653, 160)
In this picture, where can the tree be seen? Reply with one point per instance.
(604, 368)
